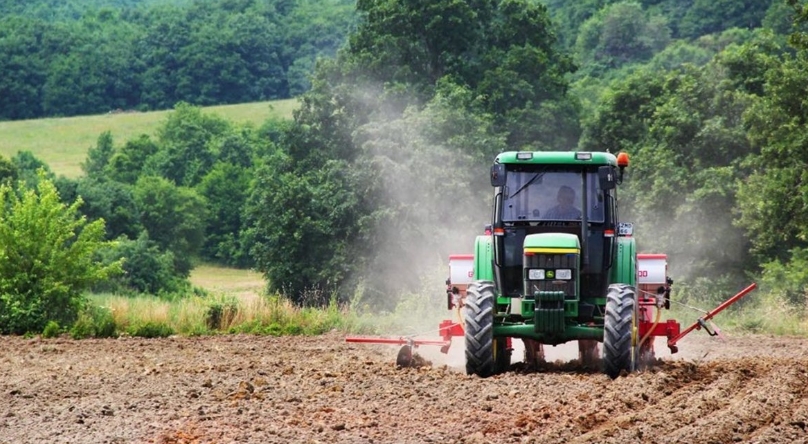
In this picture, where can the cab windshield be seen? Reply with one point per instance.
(551, 195)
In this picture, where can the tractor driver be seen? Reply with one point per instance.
(565, 210)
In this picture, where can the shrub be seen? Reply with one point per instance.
(83, 328)
(220, 314)
(51, 330)
(94, 322)
(48, 253)
(150, 330)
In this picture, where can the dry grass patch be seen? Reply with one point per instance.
(244, 284)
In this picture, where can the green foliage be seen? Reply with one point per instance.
(788, 280)
(98, 158)
(774, 194)
(127, 163)
(147, 268)
(73, 58)
(687, 20)
(47, 258)
(412, 99)
(94, 322)
(186, 153)
(303, 225)
(226, 188)
(221, 313)
(51, 330)
(711, 16)
(150, 330)
(8, 171)
(685, 132)
(113, 202)
(30, 168)
(621, 33)
(173, 217)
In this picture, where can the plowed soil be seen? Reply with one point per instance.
(320, 389)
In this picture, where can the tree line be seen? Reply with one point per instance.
(382, 172)
(151, 55)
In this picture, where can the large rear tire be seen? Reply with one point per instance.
(618, 330)
(478, 315)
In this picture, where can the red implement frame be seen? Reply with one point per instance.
(645, 328)
(448, 329)
(701, 322)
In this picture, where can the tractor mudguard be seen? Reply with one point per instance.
(624, 270)
(484, 258)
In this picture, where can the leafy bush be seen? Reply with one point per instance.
(150, 330)
(220, 314)
(51, 330)
(49, 258)
(789, 280)
(147, 269)
(94, 322)
(83, 328)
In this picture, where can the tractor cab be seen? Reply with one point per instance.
(555, 199)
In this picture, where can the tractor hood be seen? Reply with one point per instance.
(552, 243)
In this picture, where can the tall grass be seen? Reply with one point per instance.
(62, 143)
(269, 315)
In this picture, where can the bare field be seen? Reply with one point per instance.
(320, 389)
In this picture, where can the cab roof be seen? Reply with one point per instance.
(557, 158)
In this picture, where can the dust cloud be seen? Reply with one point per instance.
(436, 198)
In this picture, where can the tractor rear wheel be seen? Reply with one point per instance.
(478, 315)
(618, 330)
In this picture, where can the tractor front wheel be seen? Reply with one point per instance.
(618, 330)
(478, 315)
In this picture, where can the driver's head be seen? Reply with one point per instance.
(566, 196)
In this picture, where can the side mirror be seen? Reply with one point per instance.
(497, 175)
(608, 179)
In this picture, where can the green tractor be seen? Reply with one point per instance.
(555, 265)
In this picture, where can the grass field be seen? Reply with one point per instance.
(244, 284)
(62, 143)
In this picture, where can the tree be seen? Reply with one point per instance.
(225, 188)
(112, 202)
(8, 171)
(185, 152)
(31, 168)
(621, 33)
(174, 217)
(685, 132)
(713, 16)
(99, 156)
(773, 198)
(304, 227)
(148, 269)
(48, 256)
(475, 77)
(127, 162)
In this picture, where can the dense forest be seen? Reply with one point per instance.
(91, 57)
(382, 173)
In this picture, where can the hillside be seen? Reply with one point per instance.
(62, 143)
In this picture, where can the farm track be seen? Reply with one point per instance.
(320, 389)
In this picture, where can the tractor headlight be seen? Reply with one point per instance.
(565, 274)
(535, 274)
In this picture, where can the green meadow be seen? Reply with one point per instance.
(63, 142)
